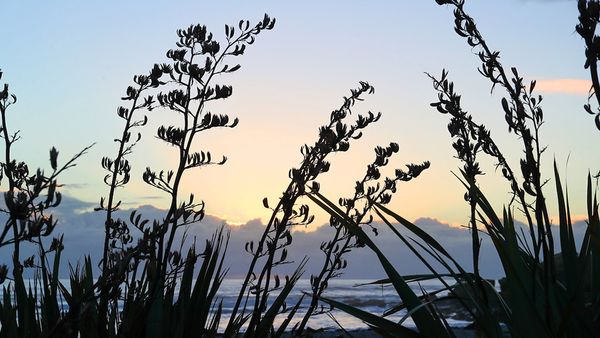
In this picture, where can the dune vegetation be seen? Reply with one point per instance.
(149, 285)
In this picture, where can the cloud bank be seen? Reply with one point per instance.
(84, 234)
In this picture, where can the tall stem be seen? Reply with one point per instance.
(8, 168)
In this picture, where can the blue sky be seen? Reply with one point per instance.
(70, 61)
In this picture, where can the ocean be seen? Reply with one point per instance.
(375, 299)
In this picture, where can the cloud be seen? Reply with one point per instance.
(84, 234)
(75, 185)
(152, 197)
(564, 86)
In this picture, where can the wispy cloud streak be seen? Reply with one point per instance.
(564, 86)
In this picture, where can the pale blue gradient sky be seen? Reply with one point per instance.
(70, 61)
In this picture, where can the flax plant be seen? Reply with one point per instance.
(28, 201)
(540, 300)
(270, 250)
(198, 62)
(589, 17)
(368, 190)
(117, 233)
(189, 83)
(141, 269)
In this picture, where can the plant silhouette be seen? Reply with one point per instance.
(153, 281)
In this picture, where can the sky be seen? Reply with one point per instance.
(69, 63)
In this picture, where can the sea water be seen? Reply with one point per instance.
(375, 299)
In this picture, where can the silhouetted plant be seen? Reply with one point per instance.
(117, 233)
(589, 16)
(29, 199)
(543, 302)
(368, 190)
(199, 60)
(333, 137)
(149, 287)
(135, 294)
(524, 117)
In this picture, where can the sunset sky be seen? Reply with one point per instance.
(69, 63)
